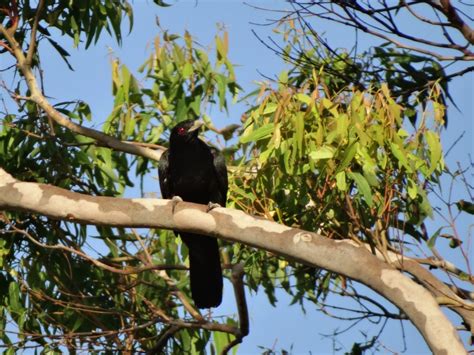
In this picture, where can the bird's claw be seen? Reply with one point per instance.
(211, 206)
(175, 200)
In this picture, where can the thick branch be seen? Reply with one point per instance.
(308, 248)
(440, 290)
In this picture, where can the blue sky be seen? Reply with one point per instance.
(284, 326)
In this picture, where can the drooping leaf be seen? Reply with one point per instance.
(258, 134)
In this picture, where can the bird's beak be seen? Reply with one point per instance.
(196, 125)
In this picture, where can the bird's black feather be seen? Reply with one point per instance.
(163, 172)
(197, 173)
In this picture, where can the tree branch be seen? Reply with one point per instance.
(378, 19)
(464, 308)
(38, 98)
(239, 292)
(34, 28)
(452, 15)
(148, 261)
(339, 256)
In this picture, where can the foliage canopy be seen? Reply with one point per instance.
(326, 147)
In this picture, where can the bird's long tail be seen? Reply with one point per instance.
(205, 270)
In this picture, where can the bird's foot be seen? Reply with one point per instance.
(211, 206)
(175, 200)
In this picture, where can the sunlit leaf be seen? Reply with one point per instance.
(325, 152)
(362, 186)
(260, 133)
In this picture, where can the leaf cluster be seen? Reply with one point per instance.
(61, 280)
(343, 164)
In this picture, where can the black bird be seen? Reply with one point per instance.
(195, 172)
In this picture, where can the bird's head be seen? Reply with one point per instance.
(186, 131)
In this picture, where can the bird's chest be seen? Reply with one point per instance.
(191, 175)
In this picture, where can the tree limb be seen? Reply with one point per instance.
(339, 256)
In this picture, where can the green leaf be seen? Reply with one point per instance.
(425, 205)
(465, 206)
(299, 131)
(221, 340)
(161, 3)
(187, 70)
(325, 152)
(304, 99)
(454, 243)
(221, 85)
(129, 124)
(283, 79)
(362, 186)
(262, 158)
(401, 156)
(348, 156)
(432, 241)
(262, 132)
(108, 171)
(126, 77)
(222, 48)
(14, 297)
(62, 52)
(412, 189)
(242, 192)
(435, 150)
(269, 108)
(341, 181)
(287, 159)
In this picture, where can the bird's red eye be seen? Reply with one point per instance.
(181, 131)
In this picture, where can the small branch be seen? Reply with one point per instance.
(6, 46)
(455, 20)
(465, 294)
(169, 281)
(163, 340)
(422, 18)
(34, 28)
(438, 261)
(239, 292)
(96, 262)
(147, 145)
(352, 13)
(467, 55)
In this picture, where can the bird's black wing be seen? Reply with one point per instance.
(164, 175)
(221, 174)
